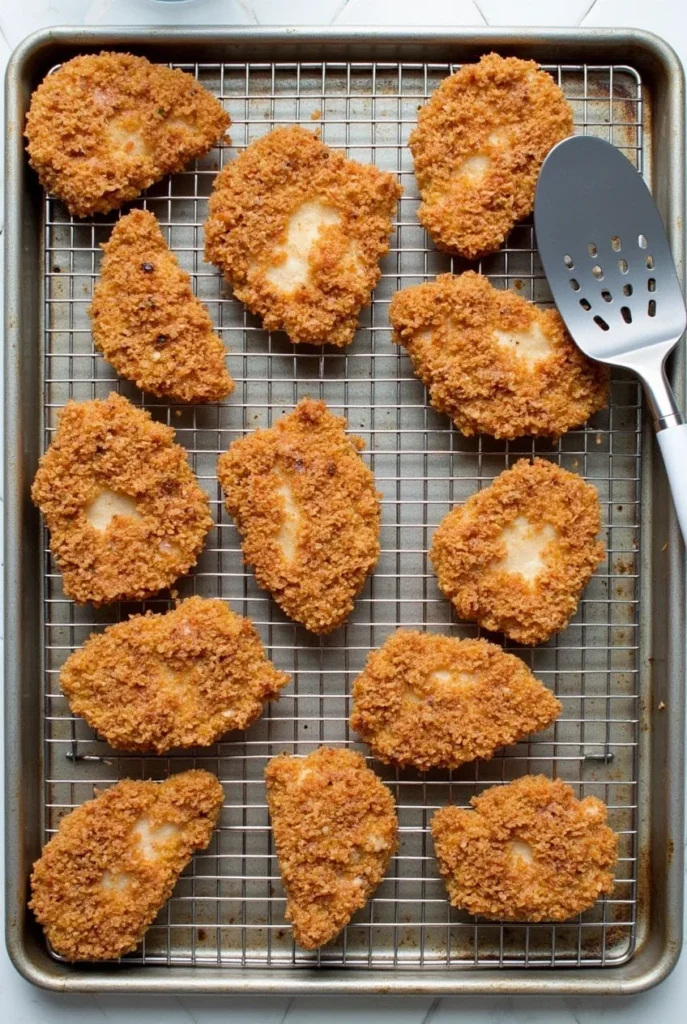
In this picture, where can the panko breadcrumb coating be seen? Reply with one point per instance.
(433, 701)
(148, 323)
(518, 554)
(125, 512)
(298, 231)
(529, 851)
(182, 679)
(493, 362)
(101, 881)
(335, 831)
(478, 147)
(104, 127)
(308, 513)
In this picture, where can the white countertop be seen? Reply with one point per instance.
(21, 1002)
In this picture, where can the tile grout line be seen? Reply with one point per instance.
(5, 39)
(480, 11)
(248, 11)
(587, 12)
(339, 11)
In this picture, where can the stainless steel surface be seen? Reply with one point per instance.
(621, 657)
(608, 263)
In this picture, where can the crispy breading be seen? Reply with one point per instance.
(478, 147)
(493, 362)
(335, 831)
(529, 851)
(125, 512)
(309, 516)
(101, 881)
(183, 679)
(434, 701)
(148, 323)
(298, 231)
(527, 581)
(103, 127)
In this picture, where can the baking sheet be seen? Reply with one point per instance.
(228, 908)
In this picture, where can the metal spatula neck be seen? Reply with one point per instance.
(662, 404)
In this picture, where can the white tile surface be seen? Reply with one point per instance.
(18, 18)
(300, 12)
(533, 12)
(21, 1003)
(665, 17)
(157, 12)
(409, 12)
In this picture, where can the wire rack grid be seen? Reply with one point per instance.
(228, 907)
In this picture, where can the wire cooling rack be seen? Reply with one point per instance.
(228, 908)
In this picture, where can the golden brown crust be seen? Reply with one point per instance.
(182, 679)
(148, 323)
(253, 198)
(447, 327)
(571, 846)
(105, 126)
(335, 831)
(506, 110)
(111, 445)
(481, 699)
(85, 919)
(337, 540)
(468, 543)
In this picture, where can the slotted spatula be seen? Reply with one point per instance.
(609, 266)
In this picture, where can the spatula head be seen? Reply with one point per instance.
(605, 253)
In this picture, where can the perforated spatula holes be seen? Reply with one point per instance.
(594, 215)
(597, 271)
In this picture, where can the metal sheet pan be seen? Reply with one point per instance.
(618, 668)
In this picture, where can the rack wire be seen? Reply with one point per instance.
(228, 907)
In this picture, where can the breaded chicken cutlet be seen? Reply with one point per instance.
(308, 513)
(478, 147)
(103, 127)
(335, 831)
(101, 881)
(125, 512)
(518, 554)
(298, 231)
(493, 362)
(529, 851)
(182, 679)
(433, 701)
(148, 323)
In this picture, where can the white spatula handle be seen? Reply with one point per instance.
(673, 444)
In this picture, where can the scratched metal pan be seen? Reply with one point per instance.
(618, 668)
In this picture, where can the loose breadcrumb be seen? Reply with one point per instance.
(529, 851)
(101, 881)
(103, 127)
(111, 446)
(182, 679)
(478, 147)
(468, 547)
(451, 329)
(335, 831)
(148, 323)
(434, 701)
(305, 474)
(246, 234)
